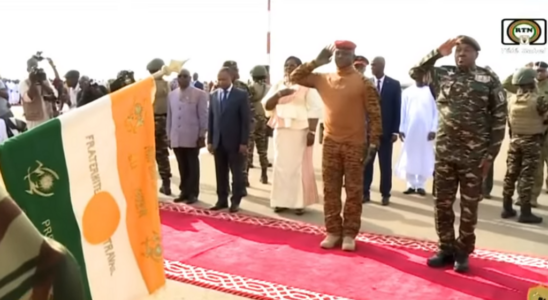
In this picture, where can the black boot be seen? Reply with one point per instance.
(166, 187)
(507, 210)
(441, 259)
(526, 216)
(461, 263)
(264, 176)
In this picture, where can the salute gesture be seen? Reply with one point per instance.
(447, 48)
(325, 55)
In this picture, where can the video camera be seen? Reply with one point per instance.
(123, 79)
(37, 74)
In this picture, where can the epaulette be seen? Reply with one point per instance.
(491, 72)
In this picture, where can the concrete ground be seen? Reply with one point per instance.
(410, 216)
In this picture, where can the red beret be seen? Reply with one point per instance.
(345, 45)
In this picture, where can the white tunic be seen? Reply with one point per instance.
(419, 116)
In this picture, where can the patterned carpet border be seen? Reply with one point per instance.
(262, 290)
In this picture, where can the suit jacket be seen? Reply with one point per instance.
(390, 107)
(228, 127)
(199, 85)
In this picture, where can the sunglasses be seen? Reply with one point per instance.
(184, 76)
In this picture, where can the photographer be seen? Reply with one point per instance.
(38, 94)
(90, 91)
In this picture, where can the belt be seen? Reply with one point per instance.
(160, 115)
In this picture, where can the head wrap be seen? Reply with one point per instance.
(155, 65)
(360, 60)
(259, 71)
(345, 45)
(524, 76)
(464, 39)
(294, 58)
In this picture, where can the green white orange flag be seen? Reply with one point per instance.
(88, 180)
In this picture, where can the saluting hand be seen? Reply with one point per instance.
(325, 55)
(447, 48)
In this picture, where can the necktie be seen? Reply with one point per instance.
(378, 86)
(223, 98)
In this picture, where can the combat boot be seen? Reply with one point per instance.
(264, 176)
(526, 216)
(166, 187)
(461, 263)
(441, 259)
(507, 210)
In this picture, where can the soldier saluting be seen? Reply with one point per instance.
(527, 115)
(472, 123)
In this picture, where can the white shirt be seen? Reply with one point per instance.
(221, 92)
(379, 82)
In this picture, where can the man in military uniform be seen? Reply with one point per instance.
(472, 123)
(542, 86)
(235, 73)
(160, 115)
(527, 115)
(258, 89)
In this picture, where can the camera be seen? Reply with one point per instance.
(123, 79)
(38, 56)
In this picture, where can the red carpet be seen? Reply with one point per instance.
(265, 258)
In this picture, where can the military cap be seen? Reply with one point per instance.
(259, 71)
(360, 60)
(345, 45)
(230, 64)
(541, 65)
(524, 76)
(464, 39)
(155, 64)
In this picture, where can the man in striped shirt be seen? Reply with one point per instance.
(33, 266)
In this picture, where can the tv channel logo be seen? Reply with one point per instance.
(524, 32)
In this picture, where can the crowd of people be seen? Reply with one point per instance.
(451, 121)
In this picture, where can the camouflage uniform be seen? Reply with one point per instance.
(259, 136)
(160, 116)
(472, 123)
(527, 111)
(241, 85)
(539, 175)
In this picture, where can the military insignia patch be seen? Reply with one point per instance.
(482, 78)
(538, 293)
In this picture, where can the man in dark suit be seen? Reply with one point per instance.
(390, 92)
(197, 84)
(227, 138)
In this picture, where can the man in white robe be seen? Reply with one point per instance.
(419, 121)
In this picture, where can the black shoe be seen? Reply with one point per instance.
(421, 192)
(440, 259)
(461, 263)
(181, 198)
(527, 217)
(487, 196)
(279, 209)
(191, 200)
(234, 208)
(217, 207)
(166, 188)
(264, 176)
(251, 166)
(385, 201)
(366, 199)
(507, 210)
(299, 211)
(409, 191)
(247, 183)
(270, 166)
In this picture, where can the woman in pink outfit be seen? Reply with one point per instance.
(294, 111)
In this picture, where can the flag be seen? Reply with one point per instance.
(88, 180)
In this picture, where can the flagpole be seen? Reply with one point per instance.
(268, 33)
